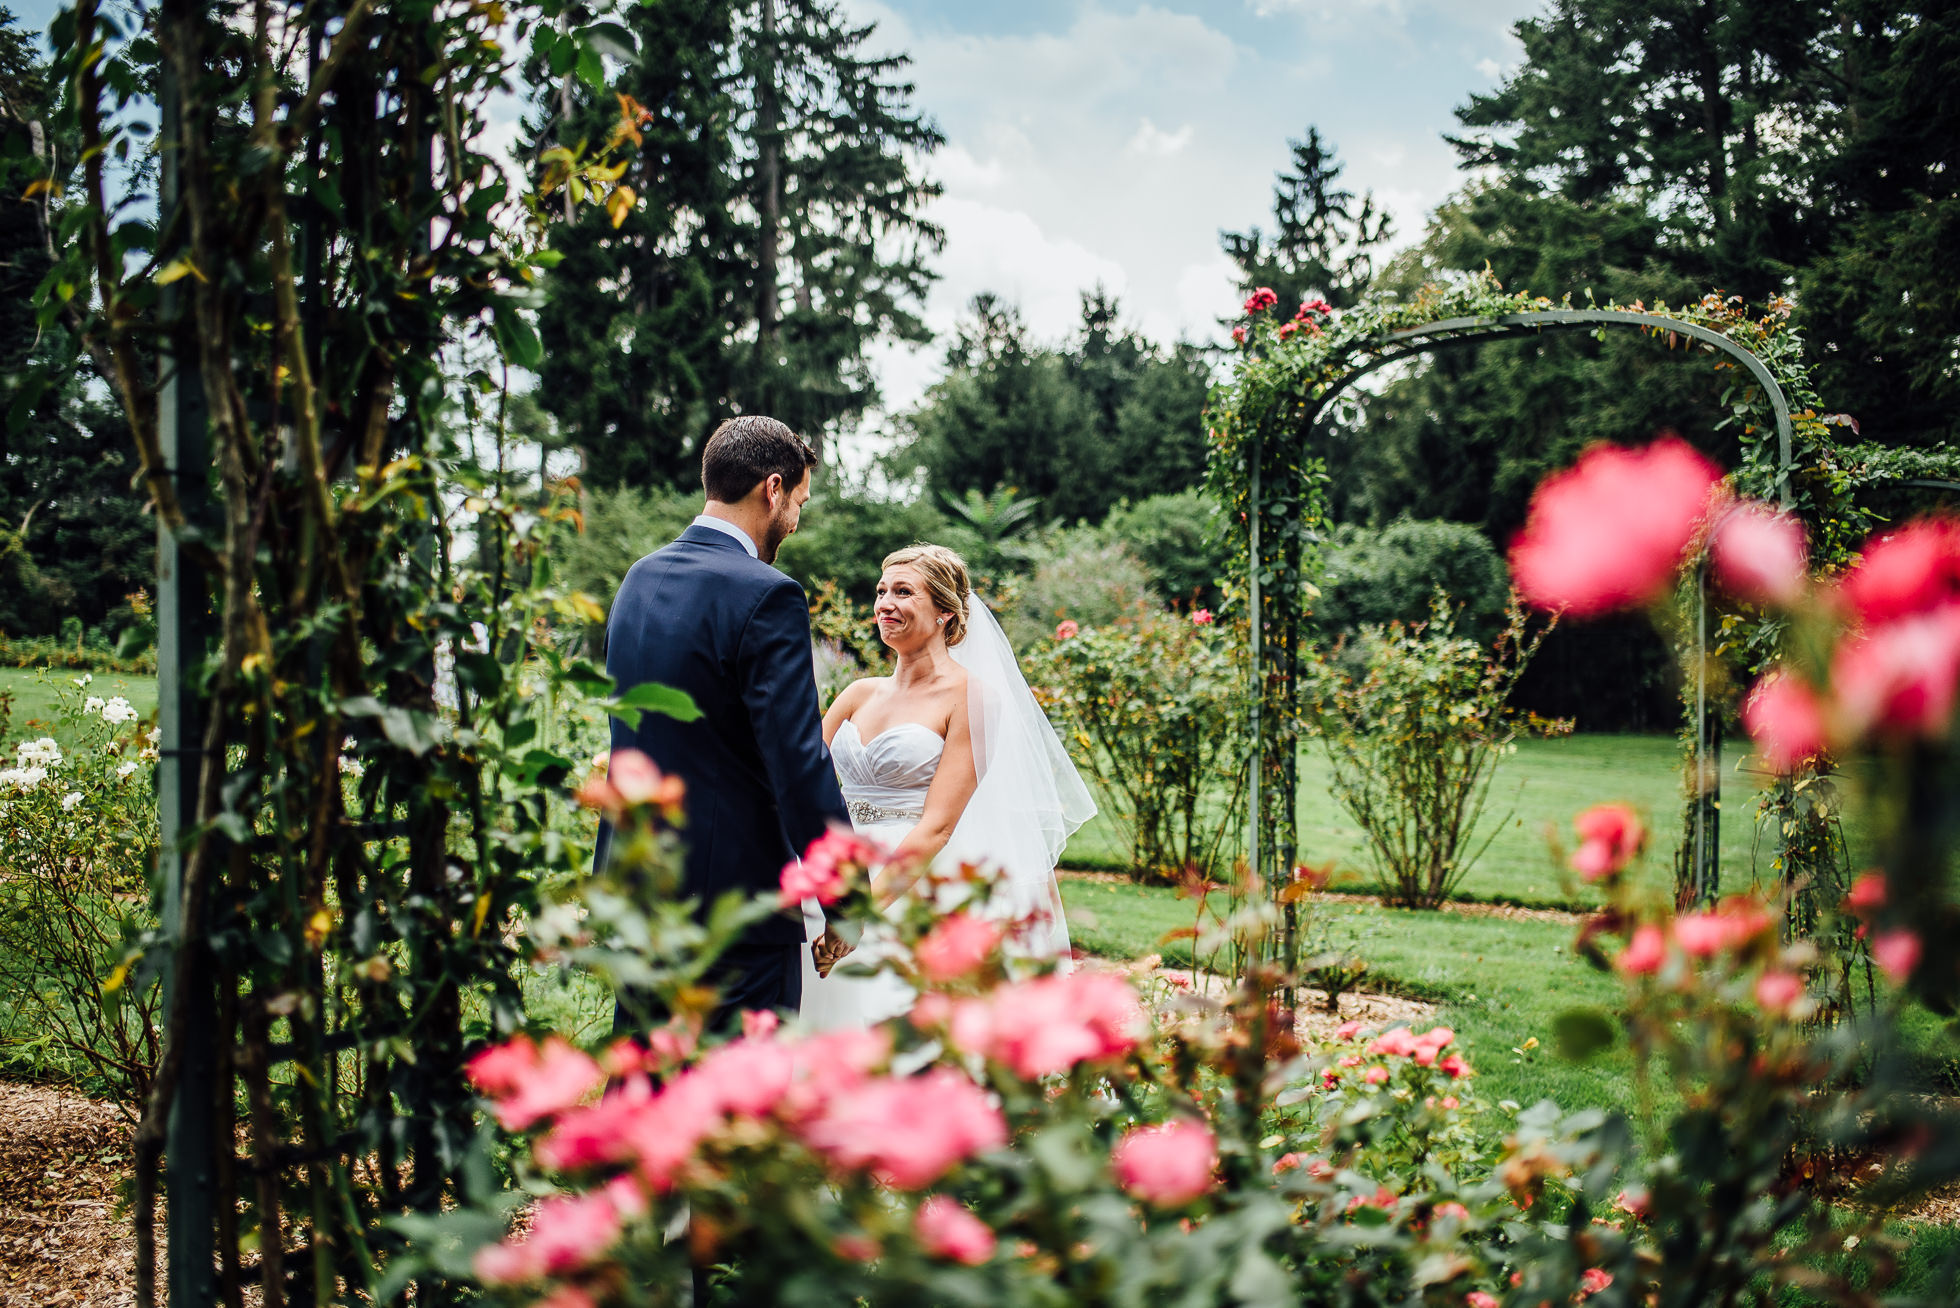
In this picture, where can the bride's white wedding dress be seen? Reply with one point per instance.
(1026, 802)
(884, 782)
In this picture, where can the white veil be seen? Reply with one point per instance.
(1029, 799)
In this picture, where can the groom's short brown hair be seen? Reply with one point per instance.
(744, 451)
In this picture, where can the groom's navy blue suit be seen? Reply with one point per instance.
(705, 617)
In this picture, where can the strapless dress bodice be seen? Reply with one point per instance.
(886, 778)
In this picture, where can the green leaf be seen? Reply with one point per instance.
(652, 697)
(612, 39)
(516, 337)
(1579, 1033)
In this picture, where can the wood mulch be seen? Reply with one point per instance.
(65, 1236)
(1460, 907)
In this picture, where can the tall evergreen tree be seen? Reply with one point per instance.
(73, 539)
(1803, 147)
(779, 233)
(1324, 241)
(1108, 416)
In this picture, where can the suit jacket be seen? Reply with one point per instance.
(702, 616)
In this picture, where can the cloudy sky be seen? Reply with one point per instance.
(1101, 141)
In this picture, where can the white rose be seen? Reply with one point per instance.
(69, 800)
(118, 711)
(124, 768)
(93, 704)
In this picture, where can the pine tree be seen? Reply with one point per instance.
(777, 238)
(1324, 242)
(73, 538)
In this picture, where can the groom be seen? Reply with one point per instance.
(708, 615)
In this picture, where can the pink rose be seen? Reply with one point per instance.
(526, 1082)
(826, 869)
(1454, 1066)
(856, 1248)
(1201, 617)
(1375, 1075)
(1316, 307)
(1785, 718)
(1594, 1280)
(1051, 1023)
(1758, 555)
(567, 1233)
(1437, 1038)
(1912, 570)
(1634, 1202)
(1287, 1162)
(909, 1132)
(1897, 953)
(957, 944)
(1238, 335)
(1609, 532)
(1168, 1165)
(1867, 894)
(1900, 676)
(1610, 835)
(1450, 1103)
(1779, 992)
(947, 1230)
(1067, 629)
(1644, 954)
(748, 1078)
(1478, 1299)
(1261, 300)
(1396, 1042)
(638, 781)
(1347, 1030)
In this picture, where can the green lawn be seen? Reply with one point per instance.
(1497, 982)
(1542, 786)
(34, 710)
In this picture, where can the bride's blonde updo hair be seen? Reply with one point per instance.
(944, 574)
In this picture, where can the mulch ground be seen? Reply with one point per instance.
(64, 1227)
(1460, 907)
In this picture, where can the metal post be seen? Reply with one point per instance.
(183, 623)
(1255, 836)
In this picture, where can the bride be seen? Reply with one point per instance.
(948, 756)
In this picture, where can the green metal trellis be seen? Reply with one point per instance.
(1393, 347)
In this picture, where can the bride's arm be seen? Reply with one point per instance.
(842, 707)
(952, 786)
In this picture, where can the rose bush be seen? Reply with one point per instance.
(1152, 707)
(1029, 1135)
(77, 842)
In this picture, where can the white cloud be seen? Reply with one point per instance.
(1154, 140)
(1489, 68)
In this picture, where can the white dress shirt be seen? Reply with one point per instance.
(728, 528)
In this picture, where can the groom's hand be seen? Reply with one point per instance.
(829, 948)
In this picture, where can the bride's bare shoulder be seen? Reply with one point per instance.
(858, 691)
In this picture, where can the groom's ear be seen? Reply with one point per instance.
(772, 489)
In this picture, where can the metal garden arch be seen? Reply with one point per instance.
(1396, 345)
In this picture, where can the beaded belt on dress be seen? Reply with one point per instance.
(864, 814)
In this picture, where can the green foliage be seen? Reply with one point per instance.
(777, 237)
(78, 841)
(372, 785)
(1106, 417)
(1178, 540)
(1078, 577)
(846, 533)
(1648, 125)
(1370, 578)
(1414, 739)
(1323, 244)
(74, 541)
(1150, 706)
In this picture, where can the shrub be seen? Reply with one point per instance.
(1375, 576)
(1151, 707)
(1030, 1136)
(1414, 738)
(1176, 539)
(77, 841)
(1079, 578)
(847, 532)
